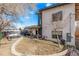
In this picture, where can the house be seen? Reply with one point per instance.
(11, 29)
(59, 20)
(33, 29)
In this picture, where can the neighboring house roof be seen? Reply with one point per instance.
(53, 6)
(32, 27)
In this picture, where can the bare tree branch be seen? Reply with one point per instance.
(9, 13)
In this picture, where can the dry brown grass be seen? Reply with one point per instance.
(37, 47)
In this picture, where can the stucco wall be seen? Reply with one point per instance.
(48, 26)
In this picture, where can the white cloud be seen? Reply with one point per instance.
(26, 17)
(19, 25)
(48, 4)
(32, 12)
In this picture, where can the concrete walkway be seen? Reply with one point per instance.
(13, 48)
(5, 48)
(61, 53)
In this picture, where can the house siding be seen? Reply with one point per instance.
(48, 26)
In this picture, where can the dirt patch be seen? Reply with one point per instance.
(5, 47)
(37, 47)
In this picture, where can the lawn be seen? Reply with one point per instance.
(37, 47)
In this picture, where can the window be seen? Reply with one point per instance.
(57, 33)
(57, 16)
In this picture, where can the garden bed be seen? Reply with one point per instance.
(37, 47)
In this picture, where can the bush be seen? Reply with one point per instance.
(1, 35)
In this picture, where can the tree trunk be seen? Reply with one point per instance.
(59, 45)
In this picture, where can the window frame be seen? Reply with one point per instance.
(57, 16)
(55, 34)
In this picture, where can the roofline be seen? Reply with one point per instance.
(53, 6)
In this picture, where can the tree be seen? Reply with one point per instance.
(6, 18)
(9, 13)
(58, 26)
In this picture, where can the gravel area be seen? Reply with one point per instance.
(37, 47)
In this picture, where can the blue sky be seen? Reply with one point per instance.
(31, 19)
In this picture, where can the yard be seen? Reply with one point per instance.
(37, 47)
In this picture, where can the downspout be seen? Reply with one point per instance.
(40, 23)
(70, 26)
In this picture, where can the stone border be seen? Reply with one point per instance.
(13, 48)
(14, 52)
(61, 53)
